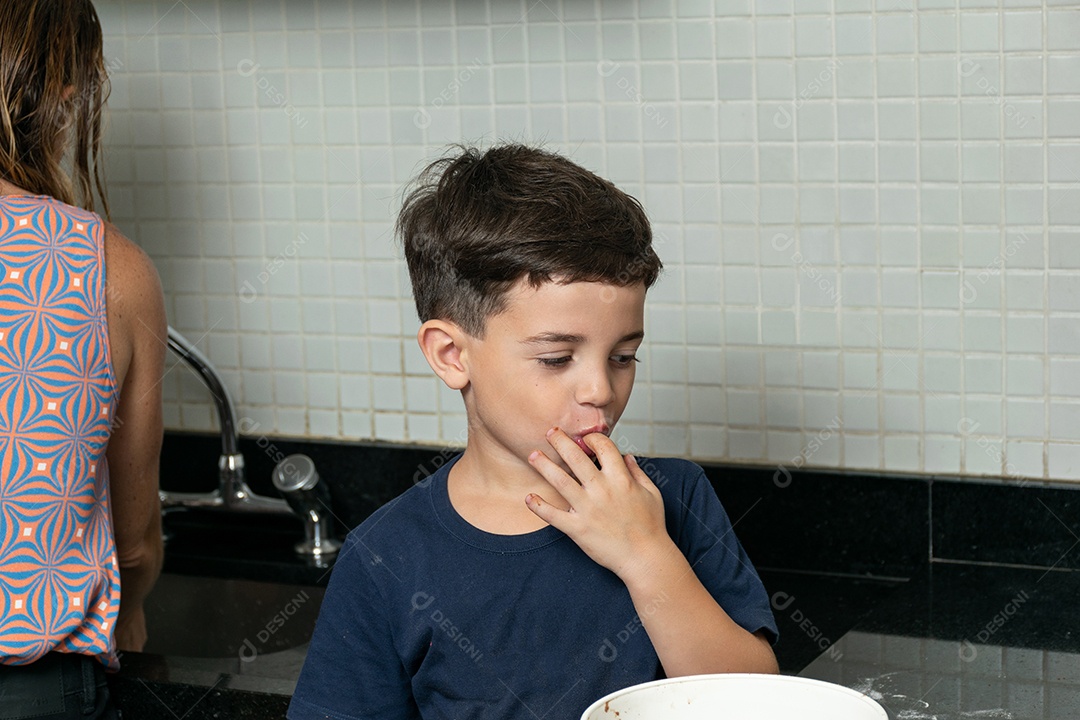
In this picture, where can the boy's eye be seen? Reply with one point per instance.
(562, 361)
(554, 362)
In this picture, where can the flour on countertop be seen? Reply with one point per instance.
(904, 707)
(1000, 713)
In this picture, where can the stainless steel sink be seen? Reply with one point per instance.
(209, 617)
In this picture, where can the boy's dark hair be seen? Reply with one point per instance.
(476, 223)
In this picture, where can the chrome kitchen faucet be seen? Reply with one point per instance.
(232, 492)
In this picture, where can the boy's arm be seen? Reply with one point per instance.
(692, 634)
(617, 518)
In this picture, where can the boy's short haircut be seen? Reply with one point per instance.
(477, 223)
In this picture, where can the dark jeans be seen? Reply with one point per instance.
(59, 686)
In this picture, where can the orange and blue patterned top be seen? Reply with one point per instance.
(59, 579)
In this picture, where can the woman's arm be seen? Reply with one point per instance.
(137, 336)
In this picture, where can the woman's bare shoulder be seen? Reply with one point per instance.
(132, 281)
(135, 305)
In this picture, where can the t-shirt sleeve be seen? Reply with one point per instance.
(704, 533)
(353, 670)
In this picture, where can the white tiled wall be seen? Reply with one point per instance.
(869, 214)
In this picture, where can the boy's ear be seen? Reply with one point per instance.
(442, 343)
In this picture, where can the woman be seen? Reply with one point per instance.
(82, 329)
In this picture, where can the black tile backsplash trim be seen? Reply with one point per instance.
(830, 522)
(984, 605)
(825, 522)
(1006, 523)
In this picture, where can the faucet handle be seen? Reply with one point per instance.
(295, 473)
(297, 480)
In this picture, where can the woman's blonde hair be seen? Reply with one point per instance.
(53, 86)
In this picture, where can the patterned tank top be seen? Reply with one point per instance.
(59, 579)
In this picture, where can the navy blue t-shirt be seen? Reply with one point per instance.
(426, 616)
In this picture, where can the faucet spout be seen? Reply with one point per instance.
(222, 399)
(232, 492)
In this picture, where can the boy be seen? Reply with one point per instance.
(540, 569)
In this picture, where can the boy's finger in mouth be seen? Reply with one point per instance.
(581, 444)
(576, 438)
(579, 438)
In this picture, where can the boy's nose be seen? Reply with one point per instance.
(596, 389)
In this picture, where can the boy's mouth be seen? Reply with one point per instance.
(579, 438)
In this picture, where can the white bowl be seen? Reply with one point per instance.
(735, 696)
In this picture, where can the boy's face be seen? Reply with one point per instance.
(559, 355)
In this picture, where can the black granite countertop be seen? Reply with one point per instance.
(955, 642)
(907, 589)
(963, 641)
(230, 618)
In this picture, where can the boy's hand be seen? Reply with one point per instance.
(616, 512)
(616, 516)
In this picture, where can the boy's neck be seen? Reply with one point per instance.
(488, 490)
